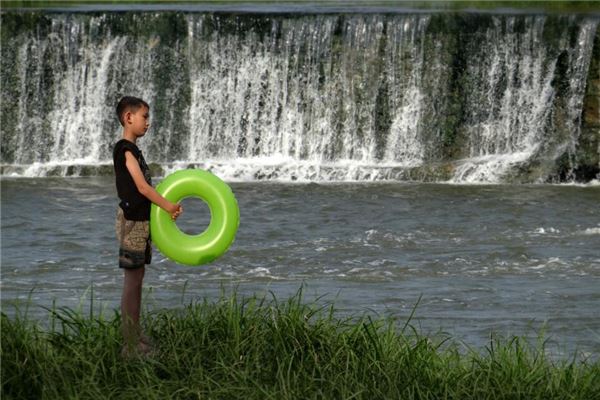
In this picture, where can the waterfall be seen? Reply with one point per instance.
(512, 120)
(315, 97)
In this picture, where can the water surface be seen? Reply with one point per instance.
(484, 259)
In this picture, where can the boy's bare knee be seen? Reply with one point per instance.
(134, 277)
(134, 272)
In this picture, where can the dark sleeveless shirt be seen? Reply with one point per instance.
(136, 207)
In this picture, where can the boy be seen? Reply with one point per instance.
(134, 187)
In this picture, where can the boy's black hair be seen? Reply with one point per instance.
(129, 103)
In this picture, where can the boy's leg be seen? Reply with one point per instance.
(134, 252)
(131, 301)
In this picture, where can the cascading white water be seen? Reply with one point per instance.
(510, 120)
(302, 97)
(75, 130)
(287, 111)
(407, 95)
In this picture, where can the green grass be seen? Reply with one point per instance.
(258, 348)
(552, 6)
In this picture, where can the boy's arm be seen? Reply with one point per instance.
(147, 190)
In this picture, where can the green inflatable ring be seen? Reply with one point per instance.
(220, 233)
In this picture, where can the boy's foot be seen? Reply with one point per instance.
(140, 350)
(146, 340)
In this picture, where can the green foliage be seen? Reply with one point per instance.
(255, 348)
(555, 5)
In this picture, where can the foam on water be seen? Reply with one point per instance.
(286, 169)
(590, 231)
(544, 231)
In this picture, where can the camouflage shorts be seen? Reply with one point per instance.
(135, 249)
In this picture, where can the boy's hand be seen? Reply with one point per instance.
(175, 210)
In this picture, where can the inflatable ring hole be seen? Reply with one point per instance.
(196, 216)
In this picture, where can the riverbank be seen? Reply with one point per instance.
(451, 5)
(261, 348)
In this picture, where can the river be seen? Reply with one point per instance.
(484, 259)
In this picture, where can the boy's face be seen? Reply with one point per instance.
(139, 121)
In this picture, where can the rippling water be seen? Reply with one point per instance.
(501, 259)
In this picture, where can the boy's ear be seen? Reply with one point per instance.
(127, 117)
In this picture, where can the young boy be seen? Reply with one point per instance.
(134, 187)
